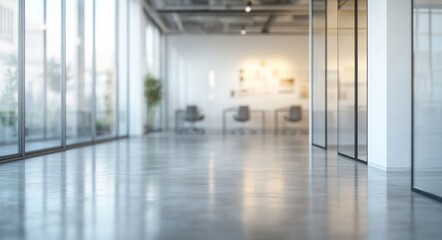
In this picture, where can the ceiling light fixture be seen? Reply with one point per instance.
(248, 7)
(243, 31)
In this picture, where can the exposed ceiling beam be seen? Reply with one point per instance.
(179, 23)
(268, 24)
(157, 3)
(249, 33)
(155, 17)
(269, 9)
(237, 14)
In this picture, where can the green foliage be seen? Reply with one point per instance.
(152, 93)
(8, 118)
(108, 98)
(152, 90)
(53, 71)
(8, 95)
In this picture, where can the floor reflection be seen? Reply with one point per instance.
(209, 187)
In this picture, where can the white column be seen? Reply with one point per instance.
(389, 84)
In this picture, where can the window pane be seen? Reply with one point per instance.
(105, 68)
(346, 79)
(319, 73)
(332, 72)
(43, 74)
(153, 58)
(122, 68)
(428, 96)
(362, 80)
(8, 77)
(79, 70)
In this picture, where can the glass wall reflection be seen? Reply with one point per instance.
(346, 79)
(332, 72)
(352, 84)
(79, 71)
(428, 96)
(105, 74)
(319, 73)
(153, 56)
(362, 80)
(9, 78)
(122, 68)
(43, 74)
(88, 68)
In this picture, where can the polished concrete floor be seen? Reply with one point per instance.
(209, 187)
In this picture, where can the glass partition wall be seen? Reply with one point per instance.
(362, 56)
(63, 74)
(9, 78)
(346, 78)
(427, 98)
(352, 79)
(319, 73)
(332, 74)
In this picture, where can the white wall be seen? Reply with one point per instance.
(192, 58)
(389, 84)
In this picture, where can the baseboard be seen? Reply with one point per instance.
(389, 169)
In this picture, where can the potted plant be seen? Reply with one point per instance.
(152, 94)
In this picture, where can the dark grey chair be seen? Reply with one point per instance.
(242, 116)
(192, 115)
(294, 115)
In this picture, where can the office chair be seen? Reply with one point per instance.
(242, 116)
(192, 115)
(295, 115)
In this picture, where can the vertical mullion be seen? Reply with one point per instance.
(117, 67)
(128, 65)
(326, 72)
(94, 78)
(63, 73)
(356, 55)
(312, 44)
(413, 41)
(45, 72)
(21, 80)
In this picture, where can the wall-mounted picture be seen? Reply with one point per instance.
(287, 86)
(303, 91)
(263, 79)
